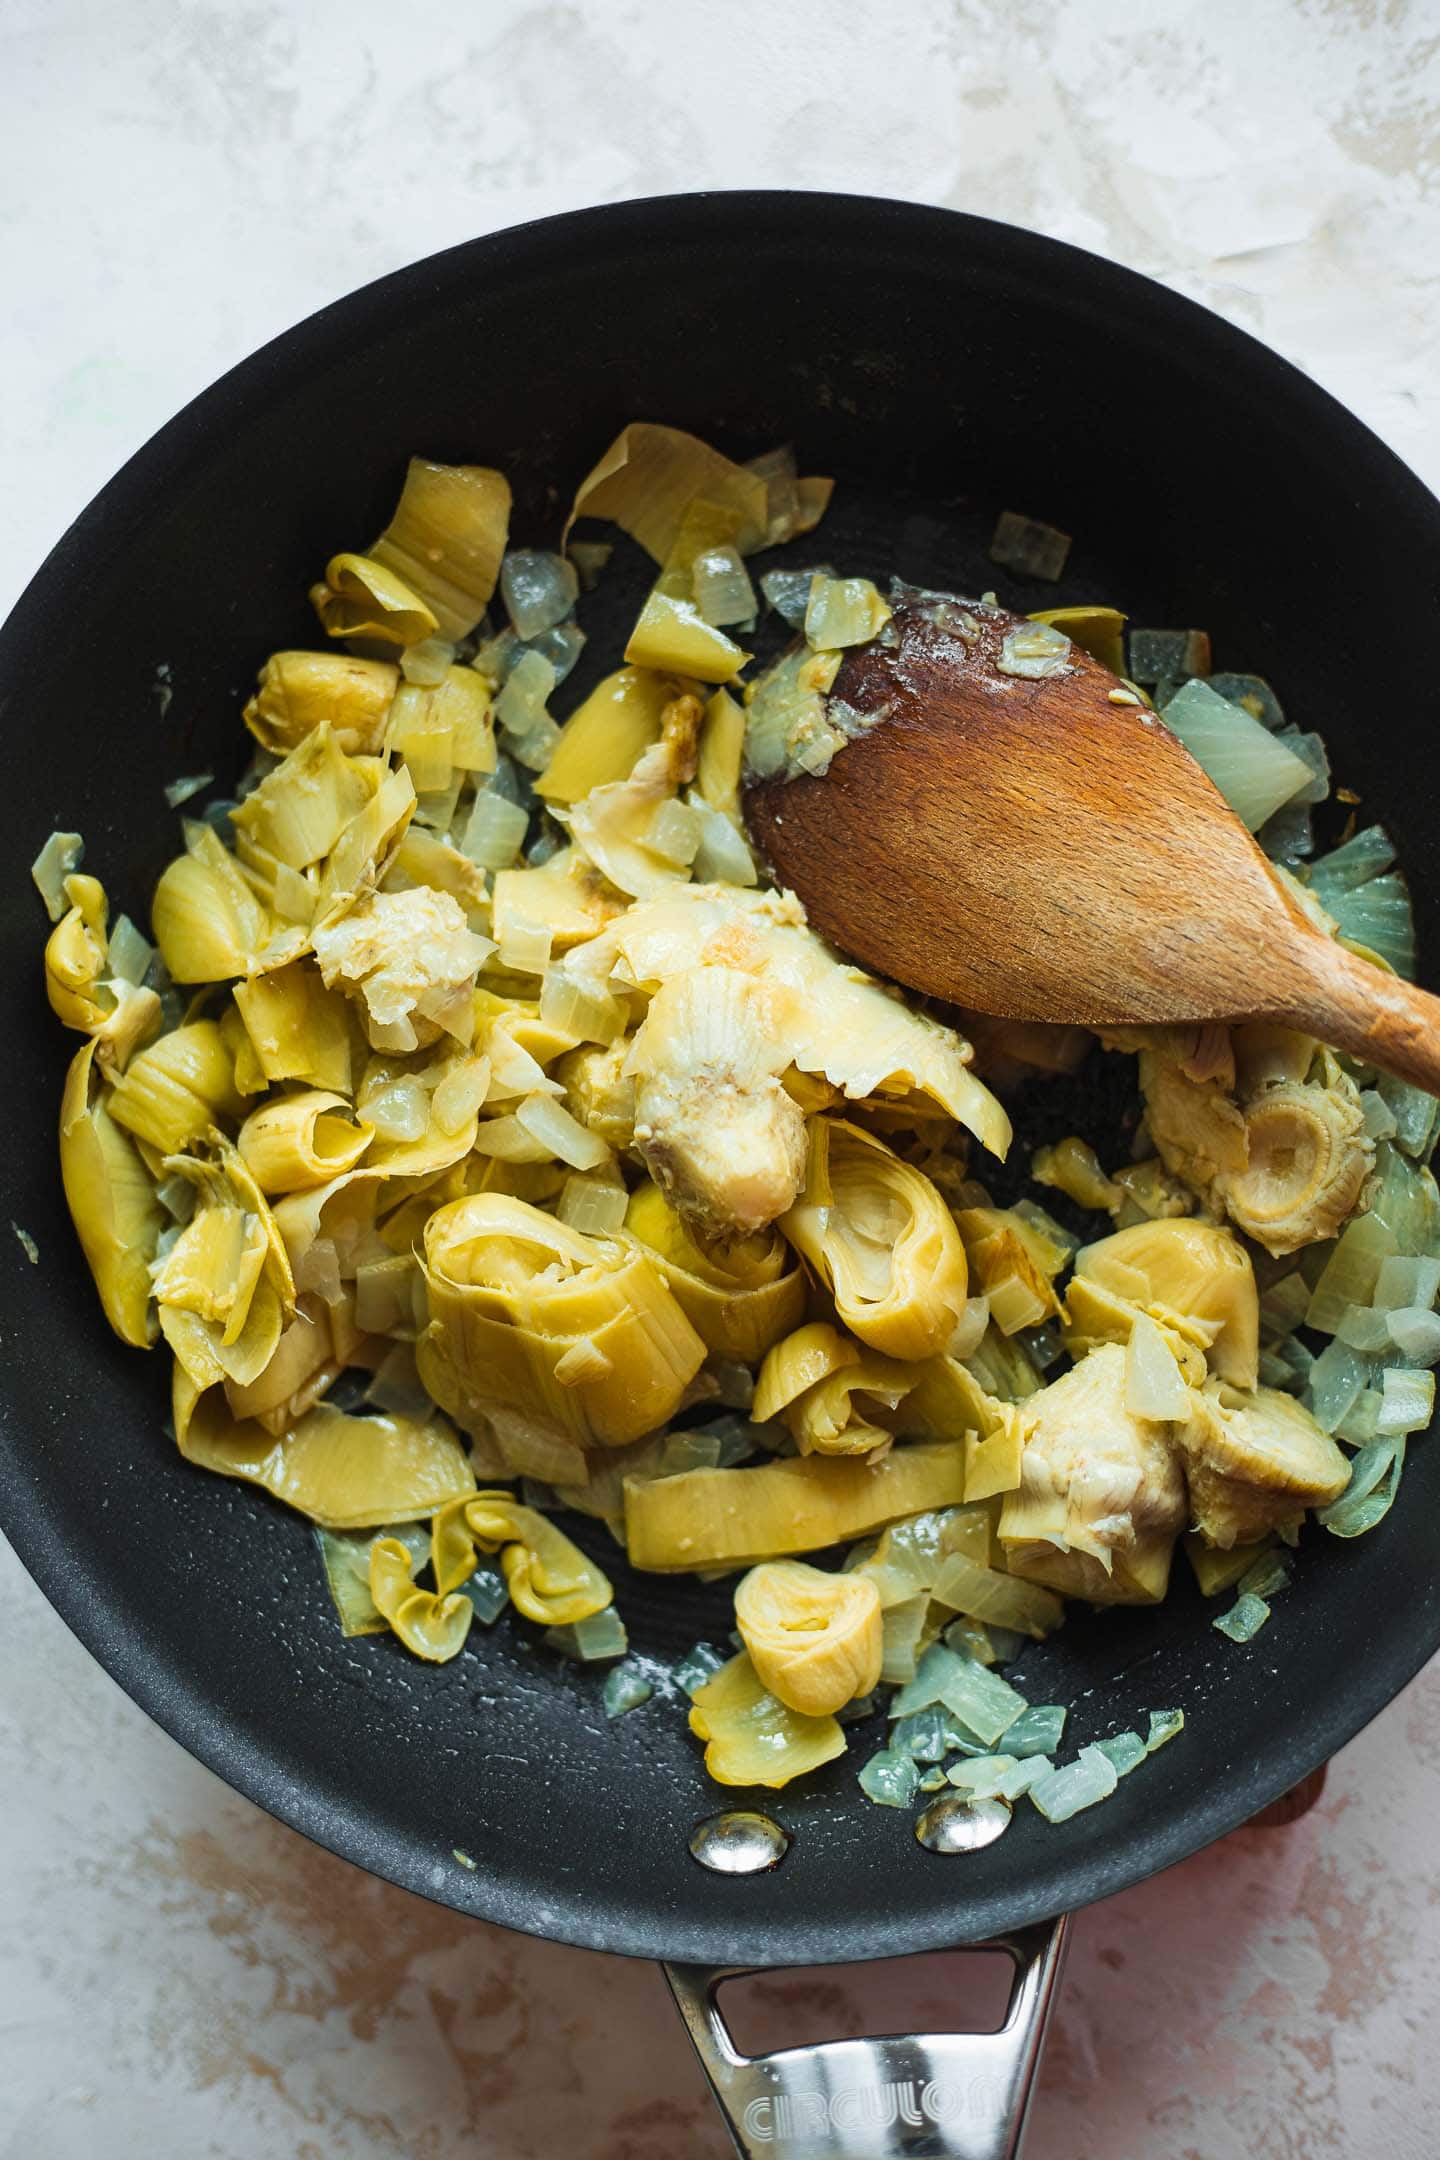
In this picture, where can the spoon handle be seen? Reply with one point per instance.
(1355, 1006)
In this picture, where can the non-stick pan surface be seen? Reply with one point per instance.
(943, 368)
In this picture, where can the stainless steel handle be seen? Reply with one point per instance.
(943, 2096)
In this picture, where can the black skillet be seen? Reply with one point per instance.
(943, 368)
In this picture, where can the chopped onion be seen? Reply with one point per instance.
(1254, 772)
(398, 1111)
(888, 1778)
(969, 1328)
(60, 858)
(525, 946)
(1037, 1731)
(903, 1626)
(1029, 545)
(509, 1141)
(459, 1095)
(427, 663)
(563, 1136)
(1364, 1329)
(986, 1594)
(495, 831)
(723, 856)
(1366, 1500)
(1090, 1778)
(1283, 1306)
(130, 955)
(561, 646)
(384, 1294)
(1337, 1380)
(982, 1701)
(698, 1665)
(1266, 1576)
(1311, 752)
(1404, 1206)
(1407, 1401)
(530, 733)
(970, 1638)
(721, 586)
(788, 591)
(1380, 1123)
(592, 1206)
(1361, 1421)
(539, 589)
(1244, 1620)
(843, 611)
(1363, 857)
(1035, 650)
(602, 1635)
(397, 1387)
(573, 1007)
(1353, 1268)
(181, 790)
(1379, 917)
(1164, 1724)
(318, 1270)
(625, 1688)
(488, 1592)
(1415, 1332)
(1415, 1113)
(1126, 1750)
(674, 832)
(1154, 1385)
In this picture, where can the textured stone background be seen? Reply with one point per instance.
(178, 1975)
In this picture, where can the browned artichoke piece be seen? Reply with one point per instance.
(1255, 1459)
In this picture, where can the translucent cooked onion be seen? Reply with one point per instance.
(549, 1122)
(1254, 771)
(539, 589)
(494, 832)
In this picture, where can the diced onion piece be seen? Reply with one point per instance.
(1030, 546)
(601, 1635)
(495, 831)
(1253, 771)
(1404, 1281)
(180, 790)
(982, 1701)
(1164, 1725)
(625, 1689)
(1090, 1778)
(1244, 1620)
(788, 591)
(722, 588)
(525, 946)
(1037, 1731)
(60, 858)
(130, 955)
(843, 611)
(1126, 1750)
(1366, 1500)
(903, 1627)
(1035, 651)
(987, 1595)
(969, 1329)
(530, 733)
(1415, 1332)
(539, 589)
(551, 1124)
(1407, 1402)
(722, 856)
(889, 1779)
(593, 1206)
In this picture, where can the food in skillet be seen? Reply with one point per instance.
(490, 1143)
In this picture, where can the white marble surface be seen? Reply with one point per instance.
(178, 1975)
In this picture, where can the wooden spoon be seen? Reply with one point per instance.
(1034, 849)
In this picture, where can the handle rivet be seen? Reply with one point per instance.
(954, 1824)
(739, 1842)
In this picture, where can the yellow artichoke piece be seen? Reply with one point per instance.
(300, 691)
(815, 1640)
(946, 1399)
(1101, 1498)
(995, 1461)
(672, 635)
(882, 1241)
(207, 922)
(363, 598)
(1099, 631)
(421, 859)
(740, 1297)
(706, 1519)
(854, 1411)
(299, 810)
(751, 1737)
(812, 1354)
(225, 1290)
(566, 896)
(1308, 1158)
(1255, 1459)
(302, 1140)
(1216, 1570)
(550, 1579)
(1095, 1315)
(605, 737)
(408, 961)
(118, 1014)
(441, 727)
(843, 611)
(446, 540)
(296, 1027)
(1072, 1167)
(345, 1473)
(345, 1556)
(649, 477)
(511, 1291)
(308, 1359)
(1011, 1266)
(600, 1093)
(111, 1197)
(368, 845)
(174, 1091)
(722, 754)
(1195, 1278)
(713, 1125)
(617, 827)
(432, 1627)
(1198, 1129)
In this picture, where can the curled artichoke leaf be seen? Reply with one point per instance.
(1254, 1459)
(111, 1197)
(814, 1639)
(752, 1737)
(551, 1580)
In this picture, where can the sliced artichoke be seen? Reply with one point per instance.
(881, 1240)
(1309, 1156)
(300, 691)
(111, 1197)
(173, 1092)
(815, 1640)
(550, 1579)
(713, 1125)
(1011, 1266)
(430, 1626)
(1194, 1278)
(740, 1296)
(1101, 1498)
(1255, 1459)
(752, 1738)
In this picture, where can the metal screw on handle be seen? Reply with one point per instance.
(936, 2096)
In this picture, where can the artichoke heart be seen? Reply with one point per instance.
(615, 826)
(881, 1240)
(430, 1626)
(300, 691)
(1194, 1278)
(111, 1197)
(1012, 1266)
(512, 1292)
(446, 540)
(409, 961)
(815, 1640)
(363, 598)
(82, 994)
(302, 1140)
(1101, 1498)
(751, 1736)
(344, 1472)
(713, 1125)
(299, 810)
(292, 1028)
(550, 1579)
(600, 1093)
(225, 1288)
(1309, 1156)
(1255, 1459)
(173, 1092)
(308, 1359)
(740, 1297)
(207, 922)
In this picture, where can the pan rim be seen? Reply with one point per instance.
(97, 1616)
